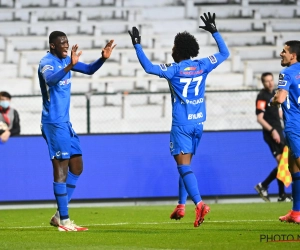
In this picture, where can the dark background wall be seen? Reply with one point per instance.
(138, 166)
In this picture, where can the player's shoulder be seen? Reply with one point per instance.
(289, 71)
(207, 61)
(167, 66)
(47, 59)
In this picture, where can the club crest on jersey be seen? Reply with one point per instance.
(212, 59)
(47, 67)
(164, 66)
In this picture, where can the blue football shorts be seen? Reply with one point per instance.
(293, 142)
(185, 139)
(61, 139)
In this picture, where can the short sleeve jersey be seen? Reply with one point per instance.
(271, 114)
(56, 98)
(289, 80)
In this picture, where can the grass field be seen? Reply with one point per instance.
(227, 226)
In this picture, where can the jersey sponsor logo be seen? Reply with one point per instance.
(65, 82)
(195, 116)
(261, 104)
(212, 59)
(200, 100)
(297, 76)
(165, 66)
(190, 68)
(47, 67)
(198, 72)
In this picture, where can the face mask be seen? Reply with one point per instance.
(4, 104)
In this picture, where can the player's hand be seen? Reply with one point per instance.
(106, 52)
(135, 36)
(74, 55)
(209, 22)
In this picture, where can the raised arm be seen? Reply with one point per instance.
(144, 61)
(91, 68)
(51, 77)
(210, 26)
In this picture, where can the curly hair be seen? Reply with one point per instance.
(186, 45)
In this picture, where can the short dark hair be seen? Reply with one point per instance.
(294, 47)
(263, 75)
(5, 94)
(186, 45)
(54, 35)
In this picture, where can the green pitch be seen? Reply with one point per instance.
(227, 226)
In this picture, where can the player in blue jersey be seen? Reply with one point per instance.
(186, 78)
(54, 74)
(288, 95)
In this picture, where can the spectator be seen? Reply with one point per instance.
(9, 118)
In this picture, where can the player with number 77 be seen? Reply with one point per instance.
(186, 78)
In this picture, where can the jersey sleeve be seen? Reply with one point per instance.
(88, 69)
(50, 75)
(212, 61)
(284, 81)
(161, 70)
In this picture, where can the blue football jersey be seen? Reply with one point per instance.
(289, 79)
(187, 82)
(55, 85)
(56, 94)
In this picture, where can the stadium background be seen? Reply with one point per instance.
(121, 105)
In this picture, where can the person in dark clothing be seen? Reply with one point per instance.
(9, 118)
(269, 118)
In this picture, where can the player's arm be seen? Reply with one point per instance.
(50, 76)
(282, 91)
(91, 68)
(210, 26)
(53, 77)
(279, 97)
(147, 65)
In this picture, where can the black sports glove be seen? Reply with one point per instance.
(209, 22)
(135, 36)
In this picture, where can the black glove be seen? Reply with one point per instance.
(209, 22)
(135, 36)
